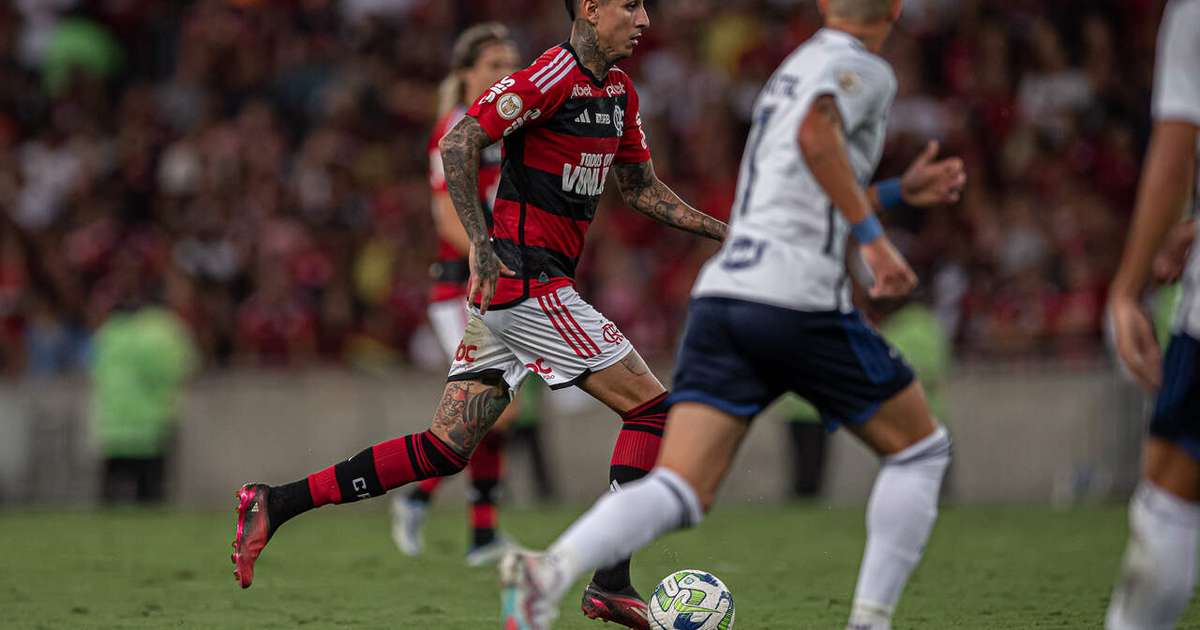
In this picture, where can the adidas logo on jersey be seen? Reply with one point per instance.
(584, 118)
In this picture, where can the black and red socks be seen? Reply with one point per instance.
(633, 457)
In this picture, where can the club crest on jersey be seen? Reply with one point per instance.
(588, 177)
(619, 119)
(849, 82)
(510, 106)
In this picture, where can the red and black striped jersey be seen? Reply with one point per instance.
(563, 129)
(450, 271)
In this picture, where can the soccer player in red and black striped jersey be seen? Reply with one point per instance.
(567, 121)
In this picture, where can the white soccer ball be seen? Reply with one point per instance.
(691, 600)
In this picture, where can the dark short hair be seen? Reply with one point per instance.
(571, 8)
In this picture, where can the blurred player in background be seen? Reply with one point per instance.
(567, 121)
(771, 313)
(1159, 570)
(482, 55)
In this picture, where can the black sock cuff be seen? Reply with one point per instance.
(357, 478)
(485, 491)
(443, 459)
(656, 406)
(622, 475)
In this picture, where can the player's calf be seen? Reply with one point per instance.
(700, 444)
(903, 505)
(1158, 573)
(633, 457)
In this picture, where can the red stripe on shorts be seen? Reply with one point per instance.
(545, 309)
(558, 300)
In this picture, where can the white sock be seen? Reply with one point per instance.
(624, 521)
(900, 515)
(1159, 571)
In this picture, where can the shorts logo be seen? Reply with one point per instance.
(612, 334)
(510, 106)
(538, 367)
(465, 353)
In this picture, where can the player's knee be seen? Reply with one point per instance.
(932, 452)
(441, 456)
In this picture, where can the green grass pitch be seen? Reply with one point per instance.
(788, 567)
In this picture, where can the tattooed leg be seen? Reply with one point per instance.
(467, 412)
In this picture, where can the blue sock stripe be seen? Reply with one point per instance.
(687, 521)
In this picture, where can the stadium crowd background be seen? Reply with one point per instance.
(260, 166)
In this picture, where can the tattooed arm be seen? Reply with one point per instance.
(460, 157)
(646, 193)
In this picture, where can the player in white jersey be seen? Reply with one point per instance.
(1159, 571)
(771, 313)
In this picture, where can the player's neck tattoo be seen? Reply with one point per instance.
(586, 42)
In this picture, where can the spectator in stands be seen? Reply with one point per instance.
(143, 358)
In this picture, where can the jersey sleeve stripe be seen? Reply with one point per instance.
(553, 63)
(551, 82)
(550, 70)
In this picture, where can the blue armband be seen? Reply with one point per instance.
(867, 230)
(890, 193)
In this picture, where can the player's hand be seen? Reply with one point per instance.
(893, 277)
(486, 269)
(1136, 344)
(1172, 259)
(931, 183)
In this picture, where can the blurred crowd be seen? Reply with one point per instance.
(259, 166)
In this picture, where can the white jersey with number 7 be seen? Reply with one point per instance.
(786, 244)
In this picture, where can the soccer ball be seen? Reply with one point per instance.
(691, 600)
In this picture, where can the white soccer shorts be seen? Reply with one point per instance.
(448, 319)
(557, 336)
